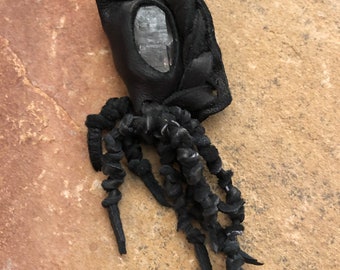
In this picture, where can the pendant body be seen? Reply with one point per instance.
(171, 58)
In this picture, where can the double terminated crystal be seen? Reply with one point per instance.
(153, 37)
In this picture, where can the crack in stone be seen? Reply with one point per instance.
(22, 72)
(60, 110)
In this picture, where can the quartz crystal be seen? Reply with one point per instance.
(153, 37)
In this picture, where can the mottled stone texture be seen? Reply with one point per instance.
(280, 136)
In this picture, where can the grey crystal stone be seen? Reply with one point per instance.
(153, 37)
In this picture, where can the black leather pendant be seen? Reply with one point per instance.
(194, 78)
(167, 55)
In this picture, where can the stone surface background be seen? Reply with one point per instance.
(280, 136)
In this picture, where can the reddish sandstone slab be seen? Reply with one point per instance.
(280, 136)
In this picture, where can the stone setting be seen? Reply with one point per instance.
(154, 38)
